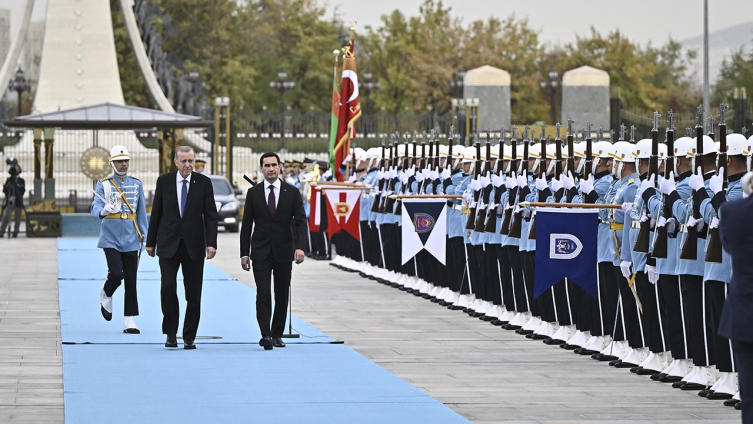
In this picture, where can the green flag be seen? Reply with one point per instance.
(335, 120)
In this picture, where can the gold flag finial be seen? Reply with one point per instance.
(336, 52)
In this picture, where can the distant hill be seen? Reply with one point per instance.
(721, 45)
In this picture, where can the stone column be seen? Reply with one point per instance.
(585, 97)
(38, 135)
(491, 86)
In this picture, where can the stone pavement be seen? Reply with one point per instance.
(31, 364)
(484, 373)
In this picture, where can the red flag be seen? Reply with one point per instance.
(314, 210)
(343, 212)
(350, 109)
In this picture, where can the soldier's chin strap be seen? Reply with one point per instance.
(581, 165)
(550, 167)
(507, 168)
(118, 173)
(594, 164)
(535, 166)
(619, 170)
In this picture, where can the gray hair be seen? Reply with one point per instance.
(183, 149)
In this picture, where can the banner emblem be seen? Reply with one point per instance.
(564, 246)
(341, 209)
(423, 222)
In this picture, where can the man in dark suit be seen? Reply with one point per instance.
(183, 227)
(274, 210)
(737, 315)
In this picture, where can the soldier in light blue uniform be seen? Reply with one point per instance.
(717, 275)
(120, 206)
(456, 256)
(368, 230)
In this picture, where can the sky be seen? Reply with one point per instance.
(558, 20)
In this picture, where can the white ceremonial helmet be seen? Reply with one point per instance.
(444, 149)
(663, 151)
(738, 145)
(401, 148)
(642, 149)
(469, 154)
(579, 149)
(709, 147)
(602, 149)
(119, 153)
(359, 153)
(623, 152)
(534, 152)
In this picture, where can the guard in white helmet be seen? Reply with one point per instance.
(119, 204)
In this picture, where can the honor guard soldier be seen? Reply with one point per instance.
(119, 204)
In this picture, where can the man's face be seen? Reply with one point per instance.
(271, 168)
(467, 167)
(121, 165)
(185, 162)
(577, 161)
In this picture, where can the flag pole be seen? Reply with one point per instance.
(569, 205)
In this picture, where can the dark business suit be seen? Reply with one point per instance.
(737, 315)
(272, 245)
(182, 242)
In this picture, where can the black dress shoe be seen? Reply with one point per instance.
(678, 384)
(551, 341)
(132, 331)
(605, 358)
(719, 396)
(730, 402)
(277, 342)
(535, 336)
(105, 314)
(499, 322)
(692, 386)
(705, 392)
(635, 369)
(171, 341)
(670, 379)
(266, 342)
(614, 362)
(647, 371)
(624, 364)
(189, 344)
(739, 406)
(656, 377)
(570, 347)
(584, 351)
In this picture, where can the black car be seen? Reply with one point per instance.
(228, 206)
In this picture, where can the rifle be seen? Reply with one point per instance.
(470, 224)
(389, 202)
(505, 229)
(485, 191)
(714, 247)
(588, 168)
(570, 147)
(689, 247)
(450, 139)
(491, 216)
(514, 228)
(642, 242)
(380, 183)
(659, 249)
(542, 174)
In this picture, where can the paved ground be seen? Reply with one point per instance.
(485, 373)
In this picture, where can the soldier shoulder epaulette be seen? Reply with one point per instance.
(631, 181)
(136, 179)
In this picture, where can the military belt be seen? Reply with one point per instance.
(635, 225)
(616, 226)
(683, 228)
(458, 207)
(120, 216)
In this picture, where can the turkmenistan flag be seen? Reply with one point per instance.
(335, 121)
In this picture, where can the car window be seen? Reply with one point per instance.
(221, 187)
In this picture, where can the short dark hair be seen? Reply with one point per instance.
(269, 155)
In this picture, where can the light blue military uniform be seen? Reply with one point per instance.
(670, 265)
(637, 258)
(120, 234)
(682, 211)
(454, 216)
(721, 271)
(626, 188)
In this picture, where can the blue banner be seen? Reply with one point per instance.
(566, 247)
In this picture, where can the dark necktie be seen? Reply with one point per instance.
(271, 201)
(183, 196)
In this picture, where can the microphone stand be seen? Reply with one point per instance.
(290, 334)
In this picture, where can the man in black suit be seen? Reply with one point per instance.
(183, 227)
(737, 239)
(274, 210)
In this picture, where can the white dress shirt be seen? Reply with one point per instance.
(277, 191)
(179, 186)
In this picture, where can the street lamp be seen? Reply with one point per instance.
(19, 84)
(368, 85)
(282, 85)
(552, 84)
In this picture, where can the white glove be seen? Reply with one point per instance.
(653, 275)
(696, 180)
(108, 209)
(523, 179)
(587, 186)
(380, 174)
(717, 181)
(627, 207)
(353, 178)
(434, 175)
(524, 211)
(446, 173)
(475, 185)
(511, 182)
(404, 177)
(568, 181)
(714, 223)
(644, 217)
(468, 197)
(497, 180)
(697, 223)
(348, 159)
(540, 184)
(668, 185)
(625, 268)
(327, 174)
(419, 176)
(485, 181)
(671, 225)
(557, 184)
(645, 184)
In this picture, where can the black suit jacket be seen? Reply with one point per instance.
(198, 225)
(278, 236)
(737, 239)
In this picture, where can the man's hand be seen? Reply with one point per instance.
(211, 251)
(299, 256)
(246, 263)
(106, 210)
(12, 200)
(150, 251)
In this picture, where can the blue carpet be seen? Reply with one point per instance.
(122, 378)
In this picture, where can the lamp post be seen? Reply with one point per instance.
(369, 85)
(282, 85)
(552, 84)
(19, 84)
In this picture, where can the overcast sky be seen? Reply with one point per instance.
(559, 21)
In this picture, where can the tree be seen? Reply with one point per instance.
(135, 91)
(737, 71)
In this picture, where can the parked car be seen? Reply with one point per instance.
(228, 206)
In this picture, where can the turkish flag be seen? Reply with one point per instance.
(350, 110)
(343, 212)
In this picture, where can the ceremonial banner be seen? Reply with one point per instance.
(334, 120)
(315, 214)
(343, 212)
(424, 227)
(350, 110)
(566, 244)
